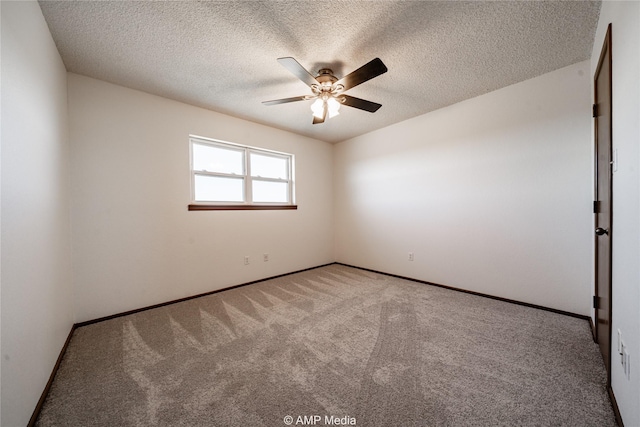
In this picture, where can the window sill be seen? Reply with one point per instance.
(241, 207)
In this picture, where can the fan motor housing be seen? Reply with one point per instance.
(325, 75)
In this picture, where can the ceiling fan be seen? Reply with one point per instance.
(328, 90)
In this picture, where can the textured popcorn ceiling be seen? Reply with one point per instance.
(222, 55)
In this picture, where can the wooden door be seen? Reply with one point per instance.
(603, 205)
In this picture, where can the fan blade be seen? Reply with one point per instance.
(371, 69)
(324, 115)
(361, 104)
(298, 70)
(285, 100)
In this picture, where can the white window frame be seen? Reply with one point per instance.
(246, 176)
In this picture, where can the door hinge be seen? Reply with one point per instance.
(595, 110)
(595, 302)
(595, 206)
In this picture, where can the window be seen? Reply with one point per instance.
(231, 176)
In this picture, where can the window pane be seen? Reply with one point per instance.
(269, 166)
(265, 191)
(215, 159)
(218, 189)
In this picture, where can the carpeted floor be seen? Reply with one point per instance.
(365, 348)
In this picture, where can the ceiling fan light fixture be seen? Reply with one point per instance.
(318, 108)
(333, 106)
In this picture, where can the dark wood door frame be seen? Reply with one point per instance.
(603, 201)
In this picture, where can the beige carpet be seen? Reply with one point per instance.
(339, 342)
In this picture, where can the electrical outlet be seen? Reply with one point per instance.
(619, 341)
(410, 256)
(265, 257)
(625, 358)
(627, 363)
(246, 260)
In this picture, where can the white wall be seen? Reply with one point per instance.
(492, 195)
(135, 243)
(625, 51)
(37, 312)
